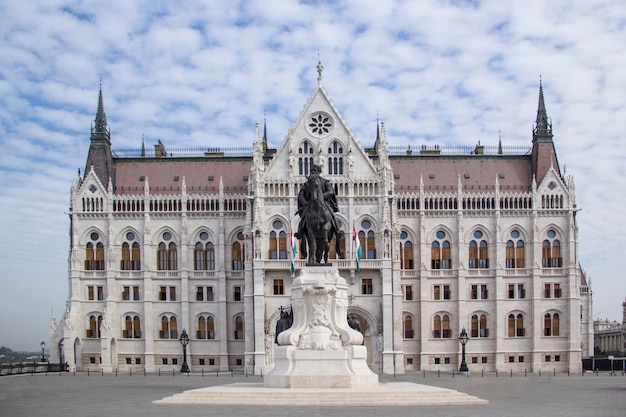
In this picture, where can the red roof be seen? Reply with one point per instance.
(441, 173)
(165, 175)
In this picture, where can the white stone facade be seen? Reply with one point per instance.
(532, 315)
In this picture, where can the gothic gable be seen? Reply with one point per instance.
(320, 136)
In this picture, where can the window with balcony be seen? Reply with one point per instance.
(94, 253)
(478, 252)
(515, 250)
(204, 253)
(93, 331)
(551, 251)
(131, 254)
(167, 254)
(406, 251)
(440, 253)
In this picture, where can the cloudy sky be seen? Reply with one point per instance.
(202, 73)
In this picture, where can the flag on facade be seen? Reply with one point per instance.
(293, 249)
(358, 252)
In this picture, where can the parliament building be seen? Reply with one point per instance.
(484, 238)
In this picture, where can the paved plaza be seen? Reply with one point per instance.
(107, 395)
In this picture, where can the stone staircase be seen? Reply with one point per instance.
(386, 394)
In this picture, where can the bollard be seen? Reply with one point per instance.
(554, 369)
(130, 371)
(115, 371)
(424, 372)
(102, 372)
(202, 373)
(217, 374)
(437, 373)
(453, 374)
(482, 373)
(144, 372)
(496, 372)
(87, 371)
(525, 373)
(173, 373)
(540, 372)
(159, 372)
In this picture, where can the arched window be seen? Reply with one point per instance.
(408, 327)
(479, 326)
(278, 241)
(305, 158)
(238, 253)
(367, 238)
(406, 251)
(167, 254)
(478, 252)
(131, 255)
(551, 324)
(95, 323)
(132, 328)
(335, 159)
(239, 328)
(515, 251)
(204, 254)
(440, 253)
(206, 328)
(169, 328)
(516, 325)
(94, 253)
(441, 326)
(551, 251)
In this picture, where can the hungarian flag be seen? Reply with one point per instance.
(293, 250)
(358, 252)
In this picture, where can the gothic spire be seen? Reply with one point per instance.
(543, 126)
(265, 128)
(100, 127)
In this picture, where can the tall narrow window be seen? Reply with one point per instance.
(516, 325)
(478, 252)
(239, 327)
(131, 258)
(367, 238)
(441, 326)
(167, 254)
(551, 251)
(279, 287)
(204, 254)
(479, 326)
(94, 253)
(278, 241)
(441, 255)
(206, 328)
(515, 251)
(238, 253)
(406, 251)
(169, 328)
(132, 328)
(335, 158)
(366, 286)
(408, 327)
(305, 158)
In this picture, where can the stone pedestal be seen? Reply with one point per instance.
(320, 350)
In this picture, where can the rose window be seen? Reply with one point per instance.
(320, 124)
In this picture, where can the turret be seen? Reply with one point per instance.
(100, 157)
(543, 152)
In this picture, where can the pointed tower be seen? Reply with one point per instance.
(543, 152)
(100, 157)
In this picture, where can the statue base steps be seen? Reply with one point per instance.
(342, 368)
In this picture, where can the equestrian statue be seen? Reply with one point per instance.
(317, 205)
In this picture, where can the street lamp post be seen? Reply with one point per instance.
(43, 348)
(184, 340)
(463, 338)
